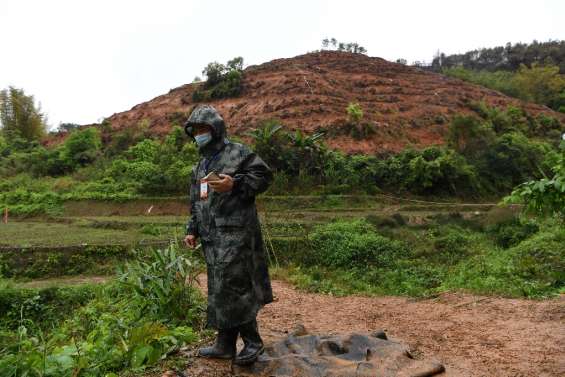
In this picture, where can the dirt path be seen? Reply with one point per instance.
(470, 335)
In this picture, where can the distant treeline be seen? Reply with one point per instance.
(531, 72)
(506, 58)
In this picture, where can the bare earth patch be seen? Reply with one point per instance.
(471, 335)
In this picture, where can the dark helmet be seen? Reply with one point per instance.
(206, 114)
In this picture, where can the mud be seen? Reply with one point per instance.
(470, 335)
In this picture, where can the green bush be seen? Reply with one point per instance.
(540, 260)
(98, 259)
(354, 113)
(380, 221)
(82, 146)
(25, 202)
(51, 162)
(4, 147)
(512, 159)
(511, 233)
(230, 86)
(353, 244)
(347, 257)
(164, 285)
(544, 196)
(47, 306)
(430, 171)
(222, 81)
(533, 268)
(153, 167)
(294, 154)
(539, 83)
(451, 245)
(409, 278)
(501, 153)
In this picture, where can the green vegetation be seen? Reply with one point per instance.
(486, 155)
(540, 84)
(132, 324)
(20, 118)
(39, 180)
(547, 195)
(506, 58)
(532, 72)
(352, 244)
(347, 257)
(358, 128)
(103, 330)
(61, 261)
(342, 240)
(352, 47)
(222, 80)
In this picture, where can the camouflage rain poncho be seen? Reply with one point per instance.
(228, 226)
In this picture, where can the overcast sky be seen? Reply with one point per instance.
(85, 60)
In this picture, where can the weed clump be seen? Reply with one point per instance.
(353, 244)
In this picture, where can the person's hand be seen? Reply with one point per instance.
(190, 241)
(223, 185)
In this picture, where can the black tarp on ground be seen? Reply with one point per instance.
(303, 354)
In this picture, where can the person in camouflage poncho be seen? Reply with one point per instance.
(224, 217)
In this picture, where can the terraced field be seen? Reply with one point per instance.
(77, 248)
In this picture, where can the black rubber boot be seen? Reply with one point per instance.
(253, 345)
(224, 348)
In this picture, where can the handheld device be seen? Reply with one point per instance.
(212, 176)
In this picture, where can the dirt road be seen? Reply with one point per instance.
(471, 335)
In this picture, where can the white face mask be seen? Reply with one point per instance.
(203, 139)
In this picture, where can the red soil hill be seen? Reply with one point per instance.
(407, 106)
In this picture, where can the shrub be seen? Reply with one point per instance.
(353, 244)
(358, 128)
(23, 201)
(163, 285)
(354, 113)
(82, 147)
(511, 159)
(157, 167)
(121, 141)
(230, 86)
(222, 81)
(431, 171)
(544, 196)
(468, 135)
(145, 150)
(47, 305)
(545, 124)
(539, 83)
(533, 268)
(511, 233)
(451, 245)
(4, 148)
(540, 261)
(380, 221)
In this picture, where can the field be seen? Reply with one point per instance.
(440, 244)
